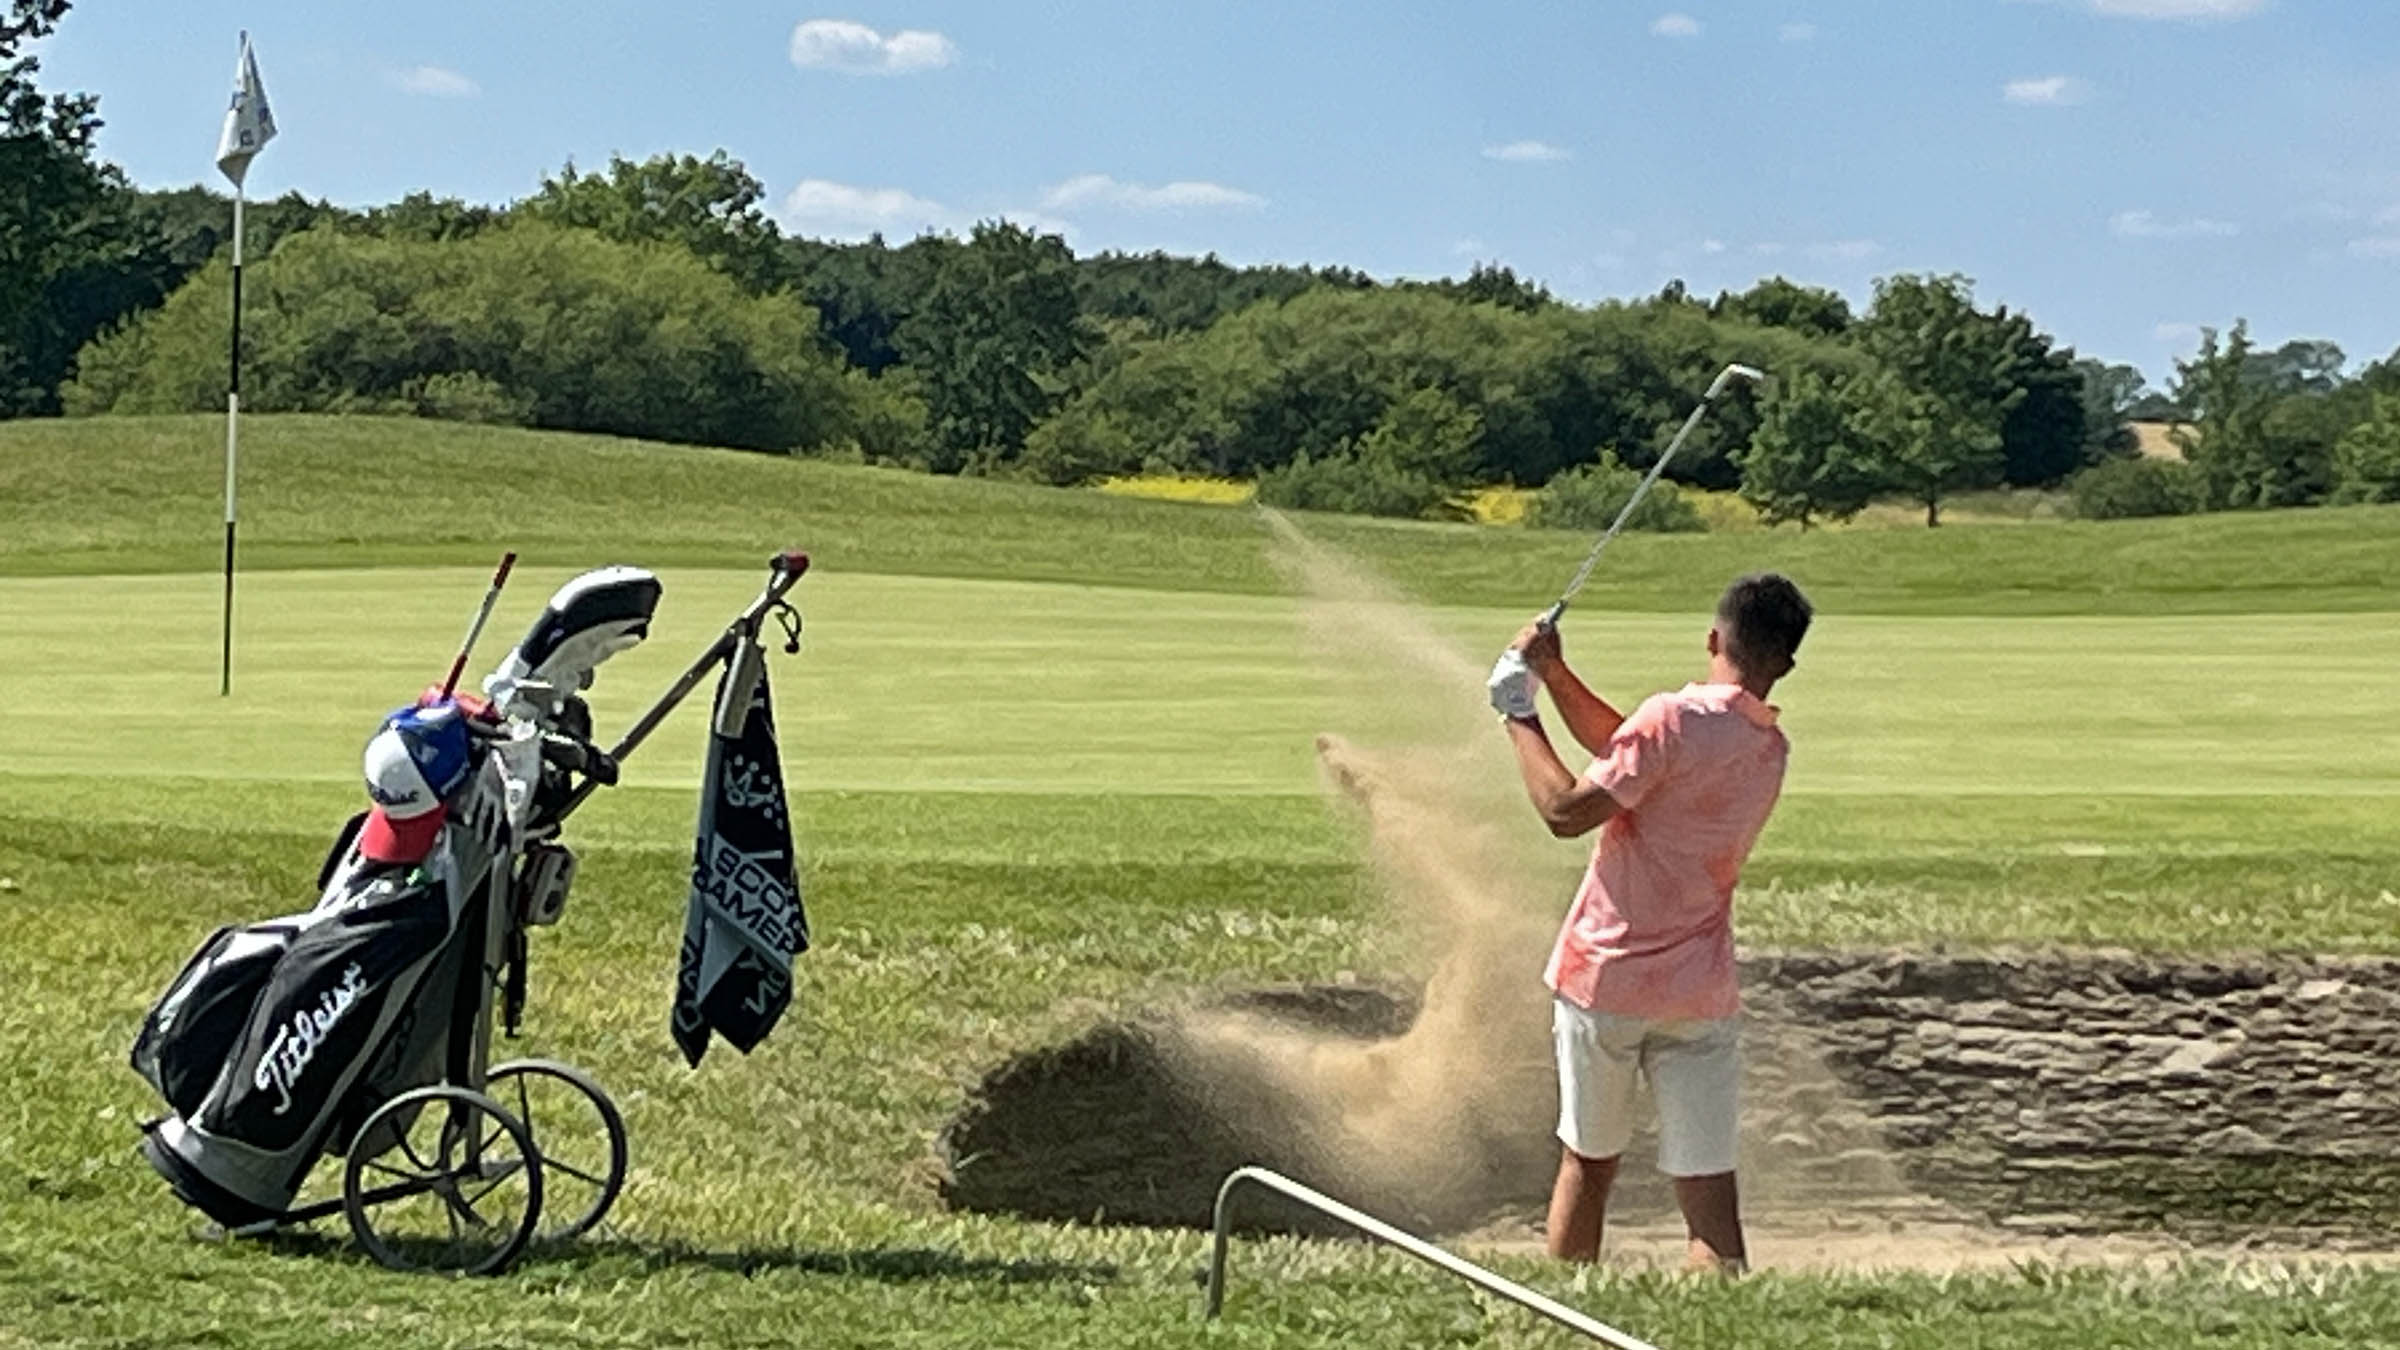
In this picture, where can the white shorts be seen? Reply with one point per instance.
(1695, 1072)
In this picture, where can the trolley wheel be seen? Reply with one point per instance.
(453, 1183)
(577, 1131)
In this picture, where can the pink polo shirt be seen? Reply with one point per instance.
(1696, 773)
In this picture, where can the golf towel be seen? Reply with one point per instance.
(743, 924)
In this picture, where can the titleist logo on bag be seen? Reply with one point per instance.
(296, 1042)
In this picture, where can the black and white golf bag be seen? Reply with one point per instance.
(279, 1038)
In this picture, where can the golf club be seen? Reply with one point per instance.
(482, 616)
(1716, 386)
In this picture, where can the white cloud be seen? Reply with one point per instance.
(1467, 247)
(2178, 333)
(855, 49)
(1797, 32)
(2389, 215)
(838, 210)
(1766, 249)
(2380, 246)
(2178, 9)
(1675, 26)
(1712, 246)
(1608, 262)
(1098, 189)
(1527, 152)
(1845, 250)
(2047, 91)
(436, 82)
(2147, 225)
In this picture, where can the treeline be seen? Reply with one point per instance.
(659, 299)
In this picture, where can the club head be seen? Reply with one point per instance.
(1734, 372)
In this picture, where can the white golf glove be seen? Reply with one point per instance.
(1512, 685)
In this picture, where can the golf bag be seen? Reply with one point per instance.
(280, 1039)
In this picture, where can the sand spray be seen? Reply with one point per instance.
(1448, 1124)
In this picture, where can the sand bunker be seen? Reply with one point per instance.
(1899, 1108)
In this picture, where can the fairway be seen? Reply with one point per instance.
(2041, 760)
(1028, 804)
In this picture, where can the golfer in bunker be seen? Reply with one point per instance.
(1643, 972)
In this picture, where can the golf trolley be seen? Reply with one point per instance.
(362, 1029)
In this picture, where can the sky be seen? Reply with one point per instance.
(2126, 171)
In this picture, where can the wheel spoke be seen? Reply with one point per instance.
(462, 1205)
(390, 1171)
(484, 1145)
(550, 1164)
(497, 1183)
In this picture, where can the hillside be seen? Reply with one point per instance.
(142, 495)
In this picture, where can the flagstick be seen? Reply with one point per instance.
(233, 423)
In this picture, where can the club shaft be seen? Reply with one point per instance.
(1642, 489)
(483, 616)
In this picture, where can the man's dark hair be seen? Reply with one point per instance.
(1763, 617)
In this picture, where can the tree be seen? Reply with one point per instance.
(51, 199)
(1592, 496)
(1495, 284)
(526, 323)
(1426, 432)
(1958, 369)
(862, 293)
(1414, 460)
(1173, 294)
(2301, 366)
(2110, 394)
(995, 332)
(423, 216)
(2265, 424)
(709, 206)
(1815, 454)
(2154, 406)
(2226, 442)
(1777, 303)
(2043, 437)
(2366, 461)
(2132, 486)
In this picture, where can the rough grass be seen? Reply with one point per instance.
(1052, 753)
(141, 495)
(784, 1198)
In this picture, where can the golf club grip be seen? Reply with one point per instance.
(1548, 623)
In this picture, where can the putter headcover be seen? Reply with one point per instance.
(589, 620)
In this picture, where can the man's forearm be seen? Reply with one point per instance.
(1566, 804)
(1588, 717)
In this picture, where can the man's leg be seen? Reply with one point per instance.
(1712, 1219)
(1696, 1074)
(1579, 1205)
(1598, 1058)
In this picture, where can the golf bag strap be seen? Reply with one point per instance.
(340, 849)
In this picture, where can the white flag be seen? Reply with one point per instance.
(249, 123)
